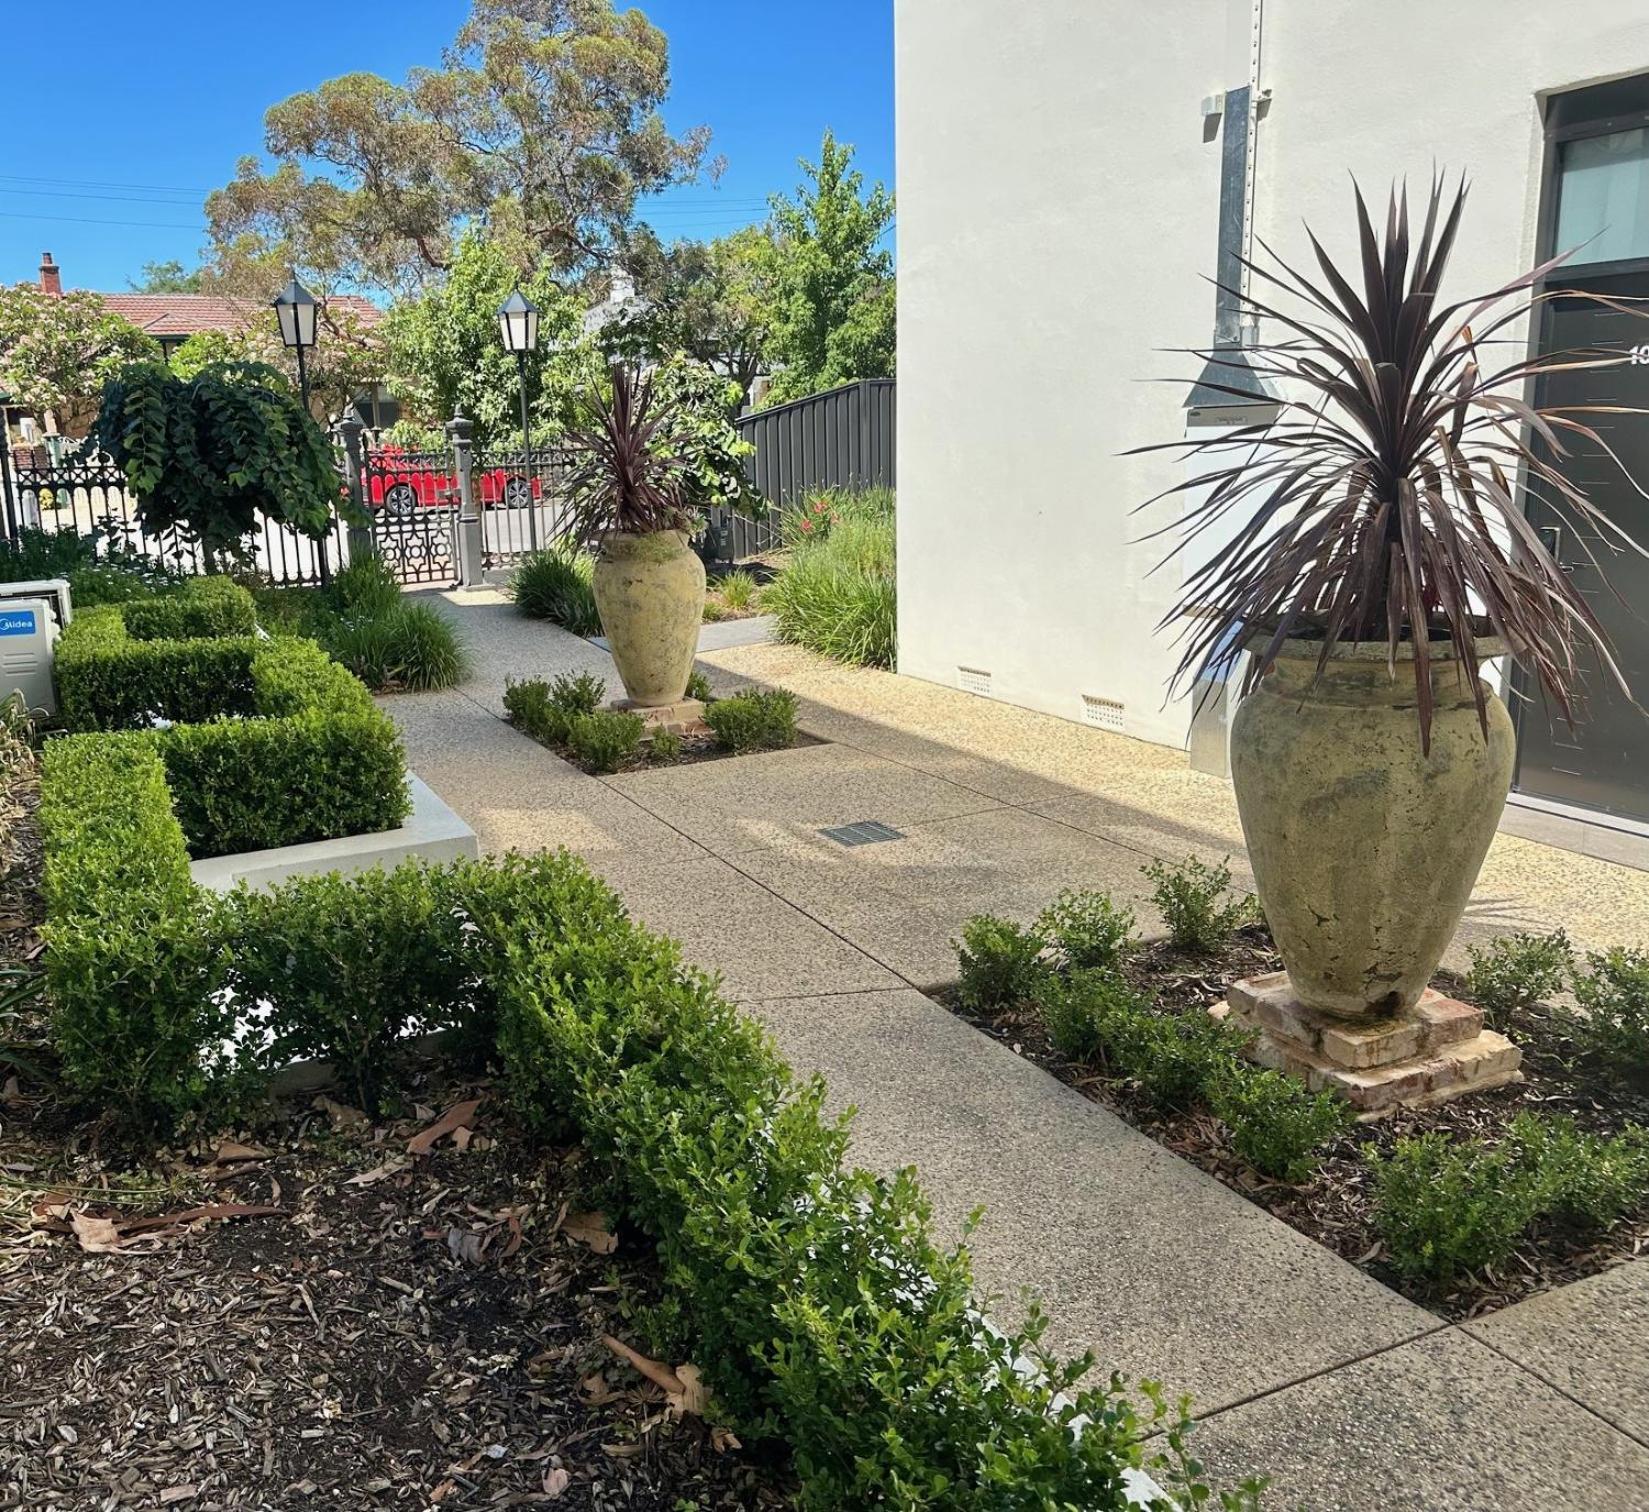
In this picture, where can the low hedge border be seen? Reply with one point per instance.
(814, 1295)
(203, 606)
(304, 754)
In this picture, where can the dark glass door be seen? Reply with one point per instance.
(1603, 763)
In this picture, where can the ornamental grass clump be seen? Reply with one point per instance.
(837, 594)
(555, 584)
(1390, 502)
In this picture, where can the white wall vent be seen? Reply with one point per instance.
(1101, 713)
(972, 680)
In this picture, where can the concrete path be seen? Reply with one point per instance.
(1303, 1367)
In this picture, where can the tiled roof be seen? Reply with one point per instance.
(184, 314)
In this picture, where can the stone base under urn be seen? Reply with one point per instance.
(1430, 1053)
(683, 717)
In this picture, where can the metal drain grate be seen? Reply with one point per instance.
(865, 832)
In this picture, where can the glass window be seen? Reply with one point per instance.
(1603, 197)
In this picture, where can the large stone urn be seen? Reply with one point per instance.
(1365, 849)
(649, 590)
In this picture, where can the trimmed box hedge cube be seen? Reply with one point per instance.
(265, 741)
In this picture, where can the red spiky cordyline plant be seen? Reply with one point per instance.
(1382, 503)
(631, 467)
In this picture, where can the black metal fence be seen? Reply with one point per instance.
(522, 499)
(842, 438)
(88, 496)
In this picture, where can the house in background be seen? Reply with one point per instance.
(171, 319)
(1069, 182)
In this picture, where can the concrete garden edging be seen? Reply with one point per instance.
(432, 832)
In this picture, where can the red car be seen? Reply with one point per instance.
(399, 483)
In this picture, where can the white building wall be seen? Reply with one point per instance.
(1058, 211)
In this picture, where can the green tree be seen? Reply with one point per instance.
(712, 300)
(543, 127)
(348, 356)
(207, 455)
(833, 288)
(169, 277)
(56, 352)
(445, 353)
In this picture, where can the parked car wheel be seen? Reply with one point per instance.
(400, 501)
(517, 493)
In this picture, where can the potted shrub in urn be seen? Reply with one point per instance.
(628, 490)
(1376, 556)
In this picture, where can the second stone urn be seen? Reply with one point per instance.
(1365, 848)
(649, 591)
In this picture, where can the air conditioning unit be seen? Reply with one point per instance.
(32, 615)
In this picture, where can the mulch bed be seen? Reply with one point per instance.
(313, 1314)
(1333, 1207)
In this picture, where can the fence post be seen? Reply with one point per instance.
(470, 545)
(348, 430)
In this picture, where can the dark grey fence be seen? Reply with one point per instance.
(842, 438)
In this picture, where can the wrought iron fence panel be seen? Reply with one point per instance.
(88, 496)
(522, 501)
(412, 498)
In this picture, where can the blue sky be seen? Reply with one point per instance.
(113, 114)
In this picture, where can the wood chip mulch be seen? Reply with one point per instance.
(422, 1312)
(1334, 1206)
(314, 1314)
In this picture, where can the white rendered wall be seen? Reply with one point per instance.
(1058, 209)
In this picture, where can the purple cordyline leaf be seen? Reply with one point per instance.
(1382, 506)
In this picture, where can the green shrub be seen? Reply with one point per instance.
(530, 709)
(254, 784)
(133, 966)
(1191, 897)
(1586, 1181)
(698, 686)
(754, 720)
(99, 569)
(1517, 971)
(108, 681)
(1078, 1009)
(1086, 929)
(583, 694)
(1175, 1057)
(202, 607)
(664, 746)
(348, 968)
(1276, 1124)
(1613, 1023)
(1443, 1210)
(1000, 963)
(820, 1305)
(605, 740)
(555, 584)
(837, 594)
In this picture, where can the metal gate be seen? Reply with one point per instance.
(521, 500)
(413, 499)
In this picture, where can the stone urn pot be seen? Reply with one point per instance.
(1365, 849)
(649, 591)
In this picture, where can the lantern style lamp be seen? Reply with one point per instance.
(518, 323)
(296, 313)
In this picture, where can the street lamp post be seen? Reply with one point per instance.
(296, 312)
(518, 321)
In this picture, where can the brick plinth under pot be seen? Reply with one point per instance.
(1365, 848)
(649, 590)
